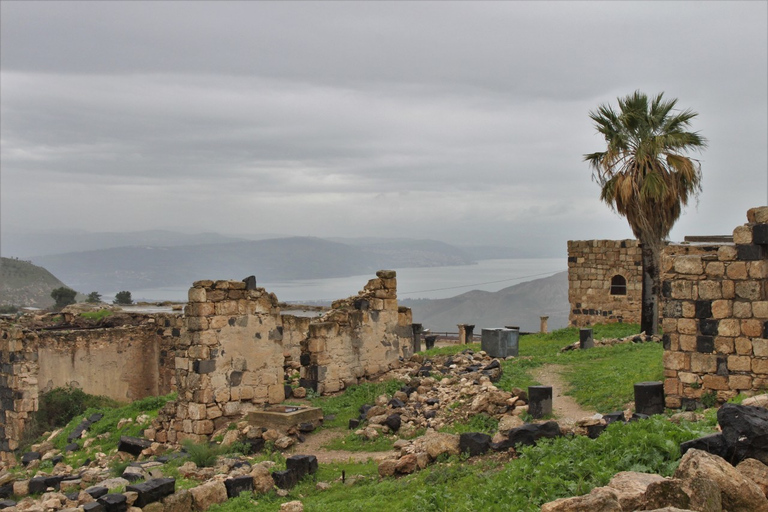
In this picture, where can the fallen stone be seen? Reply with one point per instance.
(745, 430)
(207, 494)
(302, 465)
(132, 445)
(285, 479)
(630, 487)
(152, 490)
(755, 471)
(292, 506)
(474, 443)
(667, 492)
(739, 494)
(114, 502)
(601, 499)
(238, 484)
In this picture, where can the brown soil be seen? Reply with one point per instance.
(564, 407)
(315, 441)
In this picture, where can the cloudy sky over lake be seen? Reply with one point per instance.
(458, 121)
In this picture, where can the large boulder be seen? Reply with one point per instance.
(755, 471)
(738, 493)
(210, 493)
(439, 444)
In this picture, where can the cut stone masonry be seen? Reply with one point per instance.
(715, 315)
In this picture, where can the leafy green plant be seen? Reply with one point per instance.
(203, 454)
(475, 423)
(709, 399)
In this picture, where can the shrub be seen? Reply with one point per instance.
(203, 454)
(63, 296)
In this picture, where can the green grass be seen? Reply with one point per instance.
(96, 315)
(346, 406)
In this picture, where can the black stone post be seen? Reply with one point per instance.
(430, 341)
(417, 328)
(585, 339)
(649, 398)
(539, 401)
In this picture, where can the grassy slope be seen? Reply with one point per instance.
(25, 284)
(553, 469)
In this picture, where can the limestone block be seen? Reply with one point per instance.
(710, 290)
(724, 345)
(196, 411)
(760, 309)
(386, 274)
(204, 338)
(221, 395)
(226, 307)
(246, 393)
(231, 408)
(702, 363)
(276, 393)
(688, 265)
(759, 346)
(672, 386)
(689, 309)
(760, 365)
(390, 304)
(390, 284)
(737, 270)
(202, 427)
(203, 396)
(197, 323)
(729, 289)
(186, 426)
(198, 352)
(716, 382)
(213, 412)
(743, 346)
(726, 253)
(688, 378)
(377, 304)
(686, 326)
(237, 295)
(688, 343)
(222, 285)
(758, 269)
(722, 309)
(740, 382)
(715, 268)
(750, 290)
(669, 325)
(385, 294)
(742, 235)
(758, 215)
(739, 363)
(742, 309)
(729, 327)
(218, 322)
(198, 308)
(677, 360)
(181, 363)
(196, 295)
(752, 327)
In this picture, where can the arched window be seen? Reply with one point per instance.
(618, 285)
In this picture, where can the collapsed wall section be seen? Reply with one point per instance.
(236, 349)
(604, 281)
(715, 316)
(124, 363)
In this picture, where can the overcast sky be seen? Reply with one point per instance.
(459, 121)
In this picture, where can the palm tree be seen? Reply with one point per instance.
(645, 176)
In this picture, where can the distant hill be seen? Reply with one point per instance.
(279, 259)
(30, 245)
(25, 284)
(520, 305)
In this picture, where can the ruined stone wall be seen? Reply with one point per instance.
(124, 363)
(236, 347)
(592, 265)
(715, 316)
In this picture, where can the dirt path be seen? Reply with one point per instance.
(314, 442)
(564, 407)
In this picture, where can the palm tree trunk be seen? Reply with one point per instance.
(649, 316)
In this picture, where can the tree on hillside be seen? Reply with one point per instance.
(93, 298)
(63, 296)
(646, 176)
(123, 298)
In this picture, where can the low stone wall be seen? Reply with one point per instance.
(124, 363)
(592, 267)
(715, 316)
(236, 346)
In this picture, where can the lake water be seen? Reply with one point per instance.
(412, 283)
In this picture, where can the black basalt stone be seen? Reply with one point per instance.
(393, 421)
(354, 423)
(745, 430)
(396, 403)
(6, 491)
(594, 431)
(29, 457)
(703, 309)
(37, 485)
(529, 434)
(155, 489)
(7, 504)
(714, 444)
(705, 344)
(474, 443)
(237, 485)
(114, 502)
(93, 506)
(760, 234)
(302, 464)
(613, 416)
(285, 479)
(97, 492)
(132, 445)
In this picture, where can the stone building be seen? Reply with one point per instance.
(604, 281)
(715, 315)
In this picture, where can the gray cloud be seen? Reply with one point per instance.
(462, 121)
